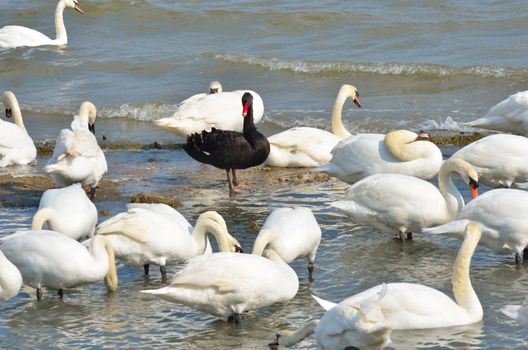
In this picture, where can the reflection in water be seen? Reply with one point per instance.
(350, 259)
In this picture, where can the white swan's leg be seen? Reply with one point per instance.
(519, 258)
(146, 269)
(409, 236)
(60, 293)
(39, 293)
(163, 271)
(92, 193)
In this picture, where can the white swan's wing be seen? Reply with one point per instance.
(166, 210)
(192, 99)
(14, 36)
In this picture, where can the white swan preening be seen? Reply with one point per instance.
(67, 210)
(10, 278)
(503, 220)
(311, 147)
(517, 312)
(15, 36)
(226, 284)
(51, 259)
(158, 234)
(406, 204)
(292, 233)
(510, 115)
(218, 109)
(501, 160)
(398, 152)
(16, 146)
(371, 314)
(77, 157)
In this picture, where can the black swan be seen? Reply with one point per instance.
(231, 150)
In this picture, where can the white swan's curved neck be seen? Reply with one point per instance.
(465, 296)
(289, 338)
(337, 123)
(452, 196)
(11, 102)
(60, 29)
(44, 215)
(103, 254)
(202, 227)
(263, 239)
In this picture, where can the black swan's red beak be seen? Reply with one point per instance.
(245, 108)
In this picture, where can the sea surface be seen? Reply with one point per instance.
(417, 65)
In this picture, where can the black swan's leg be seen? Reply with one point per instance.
(146, 268)
(235, 182)
(409, 236)
(229, 180)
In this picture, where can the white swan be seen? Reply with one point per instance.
(68, 211)
(10, 278)
(220, 110)
(16, 146)
(398, 152)
(51, 259)
(396, 306)
(15, 36)
(311, 147)
(406, 204)
(517, 312)
(158, 234)
(292, 233)
(501, 160)
(510, 115)
(501, 214)
(77, 157)
(226, 284)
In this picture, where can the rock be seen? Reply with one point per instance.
(154, 198)
(103, 212)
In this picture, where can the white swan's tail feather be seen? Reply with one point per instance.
(454, 228)
(325, 304)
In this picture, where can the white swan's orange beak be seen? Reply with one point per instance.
(473, 188)
(356, 101)
(78, 9)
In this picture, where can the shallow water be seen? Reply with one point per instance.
(350, 259)
(430, 66)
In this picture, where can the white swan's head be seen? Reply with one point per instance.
(215, 87)
(88, 114)
(350, 91)
(9, 100)
(233, 245)
(74, 4)
(406, 145)
(466, 171)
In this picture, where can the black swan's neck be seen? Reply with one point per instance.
(249, 130)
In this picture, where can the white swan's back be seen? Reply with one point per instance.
(223, 284)
(222, 111)
(77, 215)
(509, 115)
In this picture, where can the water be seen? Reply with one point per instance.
(432, 65)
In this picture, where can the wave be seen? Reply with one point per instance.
(382, 68)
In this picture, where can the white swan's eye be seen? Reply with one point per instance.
(357, 93)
